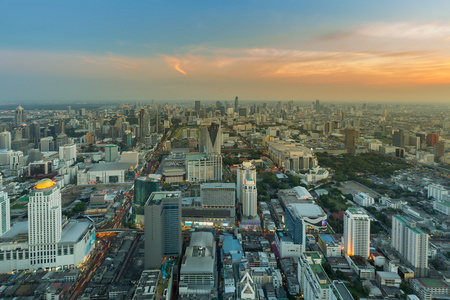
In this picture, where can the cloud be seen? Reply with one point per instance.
(174, 63)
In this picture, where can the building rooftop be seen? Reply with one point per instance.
(410, 225)
(113, 166)
(218, 185)
(74, 230)
(307, 209)
(434, 283)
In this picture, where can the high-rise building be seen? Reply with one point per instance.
(44, 223)
(236, 104)
(432, 138)
(356, 233)
(249, 198)
(111, 153)
(162, 227)
(439, 150)
(350, 140)
(399, 138)
(246, 171)
(90, 137)
(19, 116)
(35, 132)
(197, 106)
(5, 217)
(68, 152)
(5, 140)
(411, 242)
(210, 139)
(44, 242)
(144, 124)
(143, 188)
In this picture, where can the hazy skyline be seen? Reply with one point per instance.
(258, 50)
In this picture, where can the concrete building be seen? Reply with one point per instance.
(19, 117)
(429, 289)
(162, 227)
(411, 242)
(106, 173)
(313, 280)
(356, 233)
(218, 195)
(245, 171)
(68, 152)
(338, 291)
(203, 168)
(437, 191)
(198, 268)
(5, 217)
(364, 199)
(5, 140)
(292, 156)
(329, 246)
(350, 140)
(249, 198)
(111, 153)
(44, 241)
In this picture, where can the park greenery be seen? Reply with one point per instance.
(350, 167)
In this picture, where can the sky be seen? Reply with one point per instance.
(360, 51)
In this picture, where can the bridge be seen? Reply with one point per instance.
(118, 230)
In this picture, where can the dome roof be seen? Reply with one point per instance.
(43, 184)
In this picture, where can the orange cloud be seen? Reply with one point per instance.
(174, 63)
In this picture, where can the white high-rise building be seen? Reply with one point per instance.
(111, 153)
(411, 242)
(5, 218)
(68, 152)
(249, 198)
(16, 160)
(356, 233)
(44, 223)
(246, 171)
(5, 140)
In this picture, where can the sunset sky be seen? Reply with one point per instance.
(396, 51)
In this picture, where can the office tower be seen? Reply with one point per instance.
(144, 124)
(431, 139)
(5, 140)
(399, 138)
(19, 116)
(356, 233)
(111, 153)
(35, 132)
(68, 152)
(90, 137)
(246, 171)
(16, 160)
(210, 139)
(143, 188)
(44, 223)
(249, 198)
(46, 144)
(411, 242)
(317, 106)
(439, 150)
(162, 227)
(236, 104)
(5, 217)
(197, 106)
(157, 122)
(350, 140)
(242, 112)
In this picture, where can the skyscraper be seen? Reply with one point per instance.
(431, 139)
(350, 140)
(144, 124)
(44, 223)
(143, 188)
(411, 242)
(197, 106)
(5, 140)
(249, 198)
(356, 233)
(19, 116)
(210, 139)
(236, 104)
(439, 150)
(111, 153)
(5, 218)
(162, 227)
(245, 172)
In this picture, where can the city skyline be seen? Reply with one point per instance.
(347, 51)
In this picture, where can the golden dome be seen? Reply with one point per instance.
(43, 184)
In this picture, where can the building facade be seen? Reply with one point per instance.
(356, 233)
(162, 227)
(411, 242)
